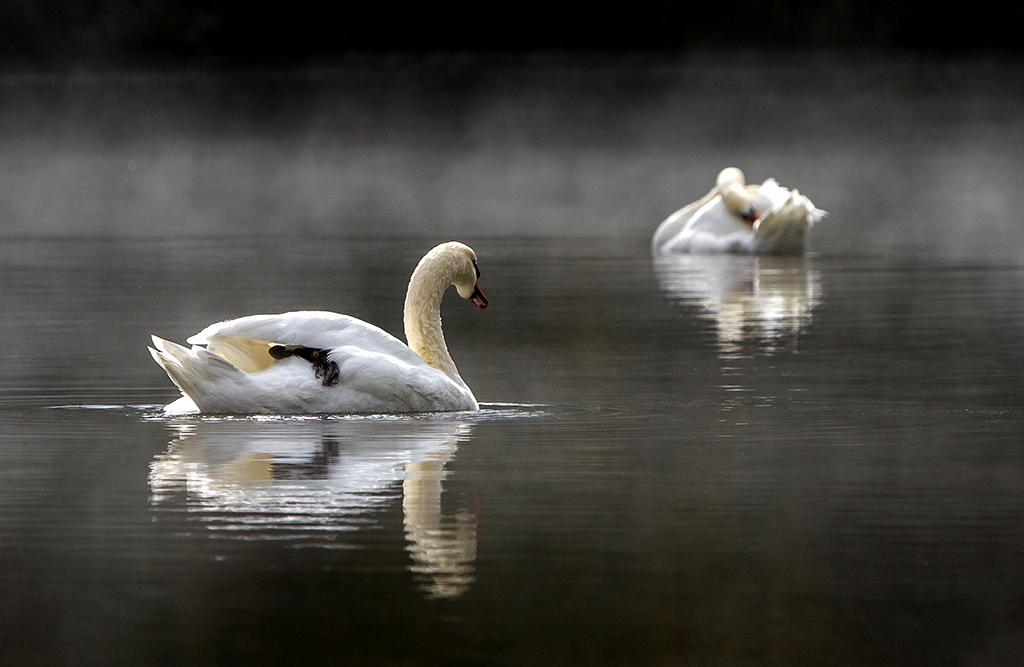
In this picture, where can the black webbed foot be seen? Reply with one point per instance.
(323, 368)
(327, 371)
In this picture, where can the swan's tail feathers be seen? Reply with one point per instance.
(166, 352)
(816, 215)
(190, 369)
(801, 206)
(783, 229)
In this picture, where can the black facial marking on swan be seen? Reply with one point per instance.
(323, 368)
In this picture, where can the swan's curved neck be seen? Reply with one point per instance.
(423, 316)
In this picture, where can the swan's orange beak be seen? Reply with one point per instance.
(751, 217)
(478, 297)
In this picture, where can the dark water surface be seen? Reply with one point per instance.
(725, 460)
(713, 461)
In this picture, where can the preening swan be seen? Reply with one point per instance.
(314, 362)
(736, 217)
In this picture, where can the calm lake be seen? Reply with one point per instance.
(708, 460)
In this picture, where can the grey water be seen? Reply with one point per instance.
(703, 460)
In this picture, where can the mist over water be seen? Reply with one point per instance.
(904, 153)
(716, 460)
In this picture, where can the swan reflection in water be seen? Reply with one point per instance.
(310, 480)
(764, 299)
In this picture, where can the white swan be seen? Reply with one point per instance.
(735, 217)
(313, 362)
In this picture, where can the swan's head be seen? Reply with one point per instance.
(460, 264)
(730, 175)
(737, 201)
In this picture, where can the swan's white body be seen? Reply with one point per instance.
(735, 217)
(230, 369)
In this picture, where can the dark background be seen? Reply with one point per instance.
(131, 117)
(57, 33)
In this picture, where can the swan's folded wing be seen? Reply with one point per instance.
(251, 336)
(399, 385)
(669, 229)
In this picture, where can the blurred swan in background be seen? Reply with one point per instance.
(313, 362)
(739, 218)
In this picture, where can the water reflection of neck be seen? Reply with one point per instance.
(444, 551)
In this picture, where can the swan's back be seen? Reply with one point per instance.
(705, 226)
(249, 338)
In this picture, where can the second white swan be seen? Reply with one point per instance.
(315, 362)
(736, 217)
